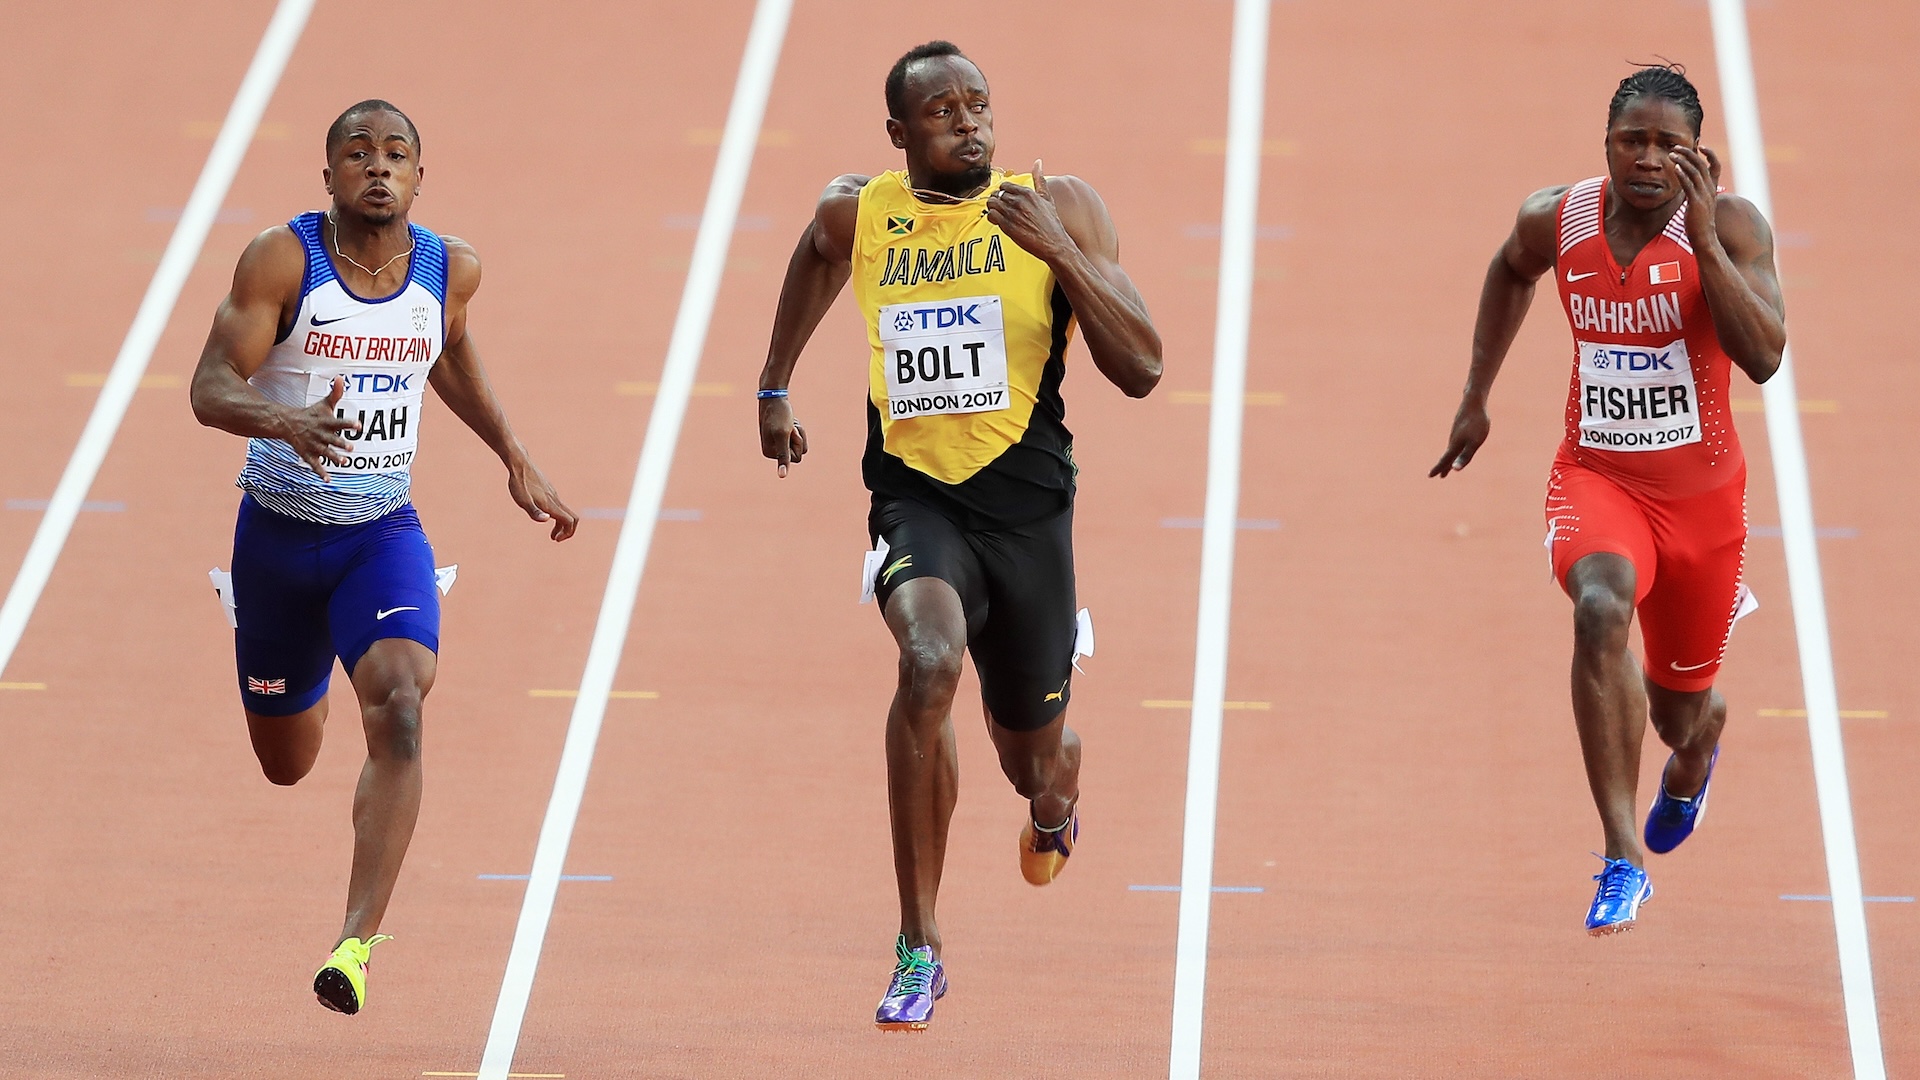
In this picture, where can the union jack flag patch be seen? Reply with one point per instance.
(266, 686)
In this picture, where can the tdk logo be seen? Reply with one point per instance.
(1631, 360)
(938, 318)
(378, 383)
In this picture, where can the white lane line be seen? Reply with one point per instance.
(1247, 84)
(729, 183)
(216, 176)
(1749, 160)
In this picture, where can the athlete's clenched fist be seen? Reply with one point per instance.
(1028, 217)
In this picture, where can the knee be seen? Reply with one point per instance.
(393, 726)
(929, 666)
(284, 773)
(1600, 620)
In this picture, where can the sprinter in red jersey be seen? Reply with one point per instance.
(1667, 284)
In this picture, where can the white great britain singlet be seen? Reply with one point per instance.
(384, 350)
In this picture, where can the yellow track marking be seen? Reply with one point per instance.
(23, 686)
(1232, 706)
(1205, 397)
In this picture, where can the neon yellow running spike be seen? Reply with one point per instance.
(342, 984)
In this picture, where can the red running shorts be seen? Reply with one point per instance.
(1687, 556)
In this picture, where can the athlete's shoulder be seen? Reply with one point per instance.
(1545, 202)
(837, 215)
(1535, 228)
(463, 268)
(1740, 224)
(273, 265)
(1074, 195)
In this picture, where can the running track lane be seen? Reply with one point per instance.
(124, 378)
(1415, 804)
(159, 844)
(1841, 283)
(743, 814)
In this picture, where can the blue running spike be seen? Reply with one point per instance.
(1672, 819)
(1616, 903)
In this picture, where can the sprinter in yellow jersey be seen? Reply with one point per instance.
(971, 282)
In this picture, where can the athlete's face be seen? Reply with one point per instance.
(948, 128)
(375, 172)
(1640, 144)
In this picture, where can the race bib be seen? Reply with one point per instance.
(384, 399)
(1635, 398)
(948, 356)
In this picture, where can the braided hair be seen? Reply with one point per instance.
(897, 77)
(1667, 81)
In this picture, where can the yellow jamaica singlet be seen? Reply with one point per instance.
(969, 334)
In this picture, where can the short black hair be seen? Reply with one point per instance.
(337, 133)
(1666, 80)
(897, 76)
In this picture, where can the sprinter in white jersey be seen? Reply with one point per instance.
(320, 356)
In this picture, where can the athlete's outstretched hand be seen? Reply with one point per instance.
(1470, 427)
(529, 488)
(781, 436)
(1028, 217)
(318, 434)
(1700, 179)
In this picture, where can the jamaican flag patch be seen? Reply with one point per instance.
(899, 224)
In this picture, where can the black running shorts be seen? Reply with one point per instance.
(1016, 587)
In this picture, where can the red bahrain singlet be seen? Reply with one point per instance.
(1648, 404)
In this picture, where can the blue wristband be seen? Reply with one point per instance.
(776, 392)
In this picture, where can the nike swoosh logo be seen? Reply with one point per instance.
(378, 615)
(1690, 667)
(317, 321)
(1571, 277)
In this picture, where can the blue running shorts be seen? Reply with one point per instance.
(305, 593)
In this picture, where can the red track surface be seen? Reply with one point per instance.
(1412, 803)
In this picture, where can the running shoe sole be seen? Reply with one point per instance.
(333, 989)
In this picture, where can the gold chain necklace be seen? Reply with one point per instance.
(340, 251)
(936, 198)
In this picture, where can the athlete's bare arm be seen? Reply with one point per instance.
(1734, 247)
(821, 264)
(264, 301)
(462, 383)
(1062, 221)
(1504, 299)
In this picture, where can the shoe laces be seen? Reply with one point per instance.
(359, 950)
(1616, 880)
(912, 974)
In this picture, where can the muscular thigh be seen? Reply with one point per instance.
(922, 542)
(1024, 652)
(1588, 513)
(385, 589)
(1688, 615)
(282, 653)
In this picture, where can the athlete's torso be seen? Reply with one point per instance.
(1648, 402)
(384, 350)
(968, 335)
